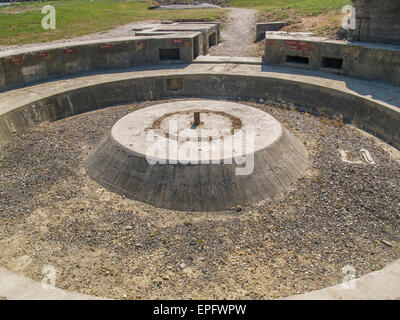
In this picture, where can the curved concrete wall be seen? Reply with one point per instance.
(371, 116)
(20, 67)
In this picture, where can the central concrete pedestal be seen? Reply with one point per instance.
(201, 155)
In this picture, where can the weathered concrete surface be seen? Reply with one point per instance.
(261, 28)
(372, 106)
(379, 285)
(15, 287)
(221, 59)
(201, 180)
(23, 66)
(358, 59)
(209, 36)
(377, 21)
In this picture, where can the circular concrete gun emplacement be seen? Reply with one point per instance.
(198, 156)
(342, 215)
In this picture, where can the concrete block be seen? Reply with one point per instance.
(377, 21)
(261, 28)
(365, 60)
(209, 32)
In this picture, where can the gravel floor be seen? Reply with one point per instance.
(51, 213)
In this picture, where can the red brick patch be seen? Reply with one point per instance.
(299, 45)
(16, 60)
(272, 43)
(71, 50)
(105, 46)
(42, 54)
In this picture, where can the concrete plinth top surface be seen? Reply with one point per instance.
(225, 129)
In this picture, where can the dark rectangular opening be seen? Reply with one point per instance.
(196, 47)
(332, 63)
(212, 40)
(297, 59)
(170, 54)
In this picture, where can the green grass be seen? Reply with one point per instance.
(21, 23)
(281, 8)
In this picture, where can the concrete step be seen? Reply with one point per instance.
(221, 59)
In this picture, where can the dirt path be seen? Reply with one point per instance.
(238, 35)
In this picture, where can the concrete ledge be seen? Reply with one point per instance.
(235, 60)
(358, 59)
(379, 285)
(352, 100)
(15, 287)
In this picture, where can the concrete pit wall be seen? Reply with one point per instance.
(371, 116)
(18, 67)
(367, 61)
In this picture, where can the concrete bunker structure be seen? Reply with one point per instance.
(357, 59)
(157, 44)
(24, 102)
(372, 54)
(356, 100)
(208, 34)
(377, 21)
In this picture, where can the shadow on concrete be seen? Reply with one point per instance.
(373, 89)
(258, 40)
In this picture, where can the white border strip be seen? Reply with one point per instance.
(15, 287)
(378, 285)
